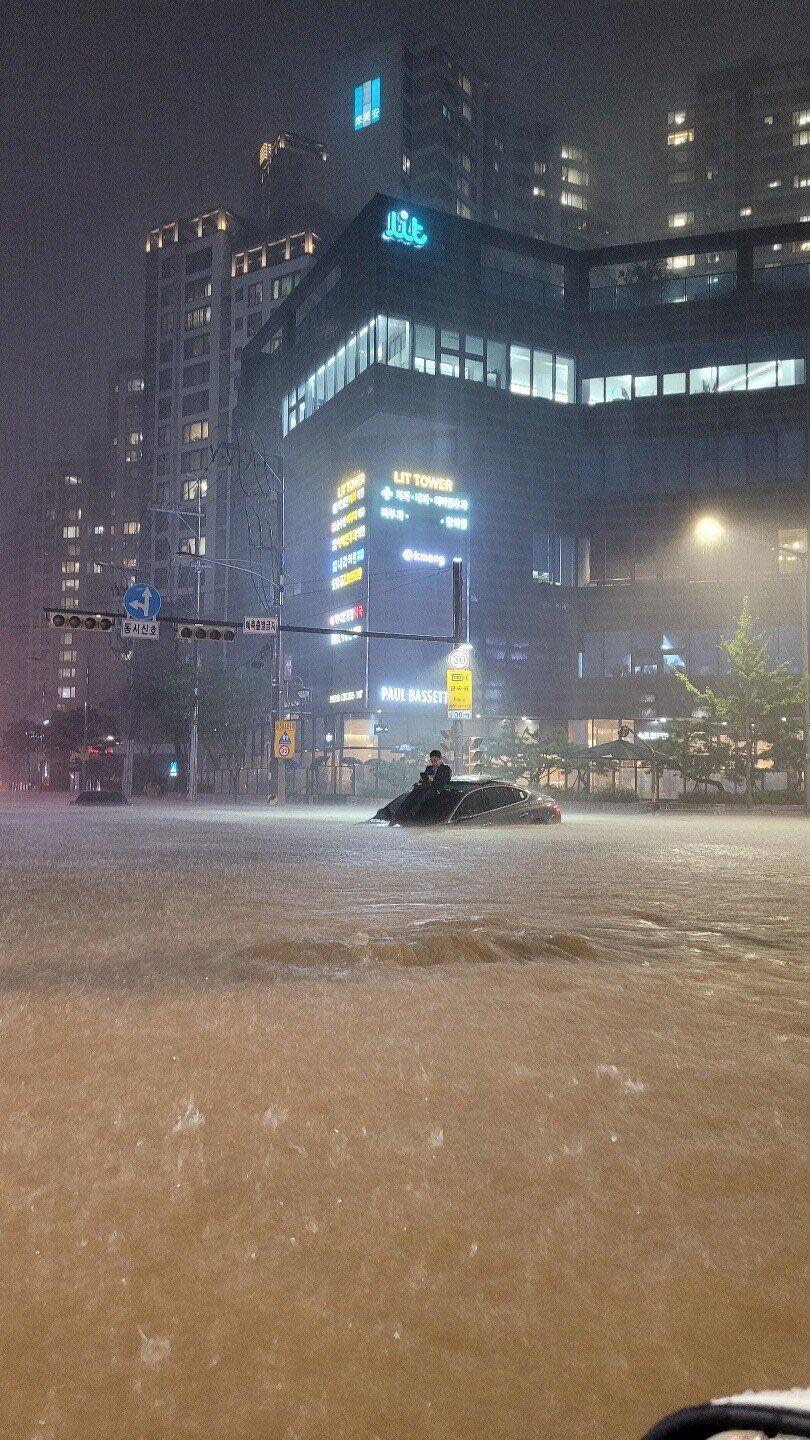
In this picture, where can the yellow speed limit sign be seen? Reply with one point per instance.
(284, 739)
(459, 693)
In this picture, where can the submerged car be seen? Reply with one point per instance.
(470, 801)
(101, 797)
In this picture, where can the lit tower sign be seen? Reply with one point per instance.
(347, 548)
(405, 229)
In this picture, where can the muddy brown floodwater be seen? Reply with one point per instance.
(310, 1130)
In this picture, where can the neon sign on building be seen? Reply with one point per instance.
(405, 229)
(367, 103)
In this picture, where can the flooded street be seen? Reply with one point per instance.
(317, 1131)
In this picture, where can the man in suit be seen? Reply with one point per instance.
(436, 774)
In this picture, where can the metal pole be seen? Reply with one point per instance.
(458, 603)
(806, 677)
(195, 714)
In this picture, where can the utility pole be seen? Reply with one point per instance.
(195, 713)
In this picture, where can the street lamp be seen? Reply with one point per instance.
(709, 530)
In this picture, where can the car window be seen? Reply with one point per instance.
(500, 795)
(472, 804)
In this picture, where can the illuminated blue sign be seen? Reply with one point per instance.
(402, 226)
(367, 103)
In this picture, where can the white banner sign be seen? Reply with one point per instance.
(140, 629)
(260, 625)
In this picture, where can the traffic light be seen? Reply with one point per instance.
(476, 759)
(206, 632)
(79, 620)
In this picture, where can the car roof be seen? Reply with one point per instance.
(465, 783)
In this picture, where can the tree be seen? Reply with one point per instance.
(231, 704)
(756, 705)
(162, 709)
(698, 749)
(20, 741)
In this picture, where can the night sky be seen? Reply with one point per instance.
(118, 116)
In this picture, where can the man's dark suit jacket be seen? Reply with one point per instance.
(441, 778)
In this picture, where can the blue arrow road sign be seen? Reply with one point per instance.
(142, 602)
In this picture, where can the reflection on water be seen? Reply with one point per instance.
(313, 1130)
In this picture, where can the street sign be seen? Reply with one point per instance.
(260, 625)
(140, 629)
(284, 739)
(459, 694)
(142, 602)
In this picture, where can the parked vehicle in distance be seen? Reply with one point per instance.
(100, 797)
(470, 800)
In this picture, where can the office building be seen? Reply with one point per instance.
(420, 119)
(562, 422)
(733, 149)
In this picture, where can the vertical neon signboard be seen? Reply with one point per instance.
(367, 103)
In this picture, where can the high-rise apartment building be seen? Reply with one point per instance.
(420, 120)
(82, 539)
(734, 149)
(290, 180)
(212, 282)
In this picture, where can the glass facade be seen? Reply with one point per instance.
(699, 380)
(429, 349)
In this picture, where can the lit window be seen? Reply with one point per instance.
(70, 532)
(573, 176)
(801, 117)
(463, 211)
(406, 164)
(801, 182)
(593, 391)
(570, 152)
(801, 137)
(762, 375)
(644, 386)
(703, 380)
(195, 431)
(792, 545)
(520, 370)
(676, 117)
(573, 200)
(680, 137)
(98, 529)
(131, 527)
(745, 212)
(201, 315)
(679, 219)
(618, 387)
(774, 184)
(538, 191)
(367, 103)
(680, 262)
(674, 383)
